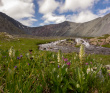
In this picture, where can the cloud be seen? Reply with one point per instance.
(19, 9)
(82, 16)
(104, 11)
(1, 4)
(76, 5)
(53, 18)
(27, 22)
(47, 6)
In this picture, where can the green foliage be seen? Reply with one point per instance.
(32, 71)
(106, 45)
(24, 44)
(104, 36)
(77, 46)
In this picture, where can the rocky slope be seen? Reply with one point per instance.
(11, 26)
(97, 27)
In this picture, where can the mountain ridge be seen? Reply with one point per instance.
(96, 27)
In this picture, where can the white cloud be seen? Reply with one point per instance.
(53, 18)
(1, 3)
(76, 5)
(47, 6)
(27, 22)
(81, 17)
(19, 9)
(104, 11)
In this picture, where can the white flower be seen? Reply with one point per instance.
(82, 53)
(59, 56)
(89, 70)
(58, 76)
(11, 52)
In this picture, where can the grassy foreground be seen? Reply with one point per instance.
(25, 69)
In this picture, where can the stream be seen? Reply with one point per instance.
(89, 49)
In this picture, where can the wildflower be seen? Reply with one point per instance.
(3, 56)
(82, 53)
(77, 85)
(108, 71)
(15, 67)
(86, 63)
(58, 66)
(33, 56)
(21, 56)
(89, 70)
(11, 52)
(90, 62)
(68, 63)
(28, 63)
(53, 55)
(18, 57)
(59, 56)
(27, 55)
(65, 59)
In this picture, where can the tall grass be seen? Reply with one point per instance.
(33, 71)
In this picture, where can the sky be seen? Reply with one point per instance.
(36, 13)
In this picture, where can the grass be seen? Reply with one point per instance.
(104, 36)
(106, 45)
(24, 44)
(25, 69)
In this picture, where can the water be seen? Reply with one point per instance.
(89, 49)
(52, 44)
(82, 41)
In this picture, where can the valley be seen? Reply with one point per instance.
(59, 58)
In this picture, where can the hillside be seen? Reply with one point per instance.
(96, 27)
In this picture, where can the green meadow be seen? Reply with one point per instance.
(26, 69)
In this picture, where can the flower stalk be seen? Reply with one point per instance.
(82, 54)
(59, 57)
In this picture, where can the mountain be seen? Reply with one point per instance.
(96, 27)
(11, 26)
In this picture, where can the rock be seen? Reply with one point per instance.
(94, 43)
